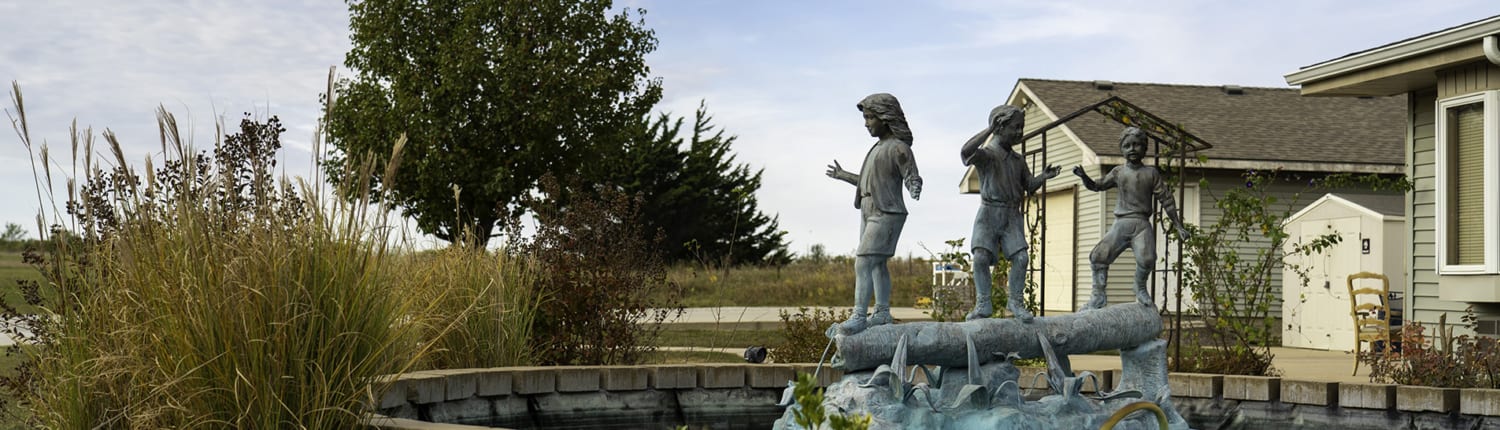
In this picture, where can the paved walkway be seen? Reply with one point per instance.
(1294, 363)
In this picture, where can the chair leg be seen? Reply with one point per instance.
(1356, 357)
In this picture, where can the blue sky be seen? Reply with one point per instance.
(781, 75)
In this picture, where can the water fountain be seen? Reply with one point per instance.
(960, 375)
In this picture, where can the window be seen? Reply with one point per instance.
(1468, 201)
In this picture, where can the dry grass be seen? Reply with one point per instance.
(801, 283)
(206, 294)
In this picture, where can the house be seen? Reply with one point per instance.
(1242, 127)
(1451, 79)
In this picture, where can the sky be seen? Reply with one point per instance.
(782, 76)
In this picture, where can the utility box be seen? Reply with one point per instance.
(1371, 228)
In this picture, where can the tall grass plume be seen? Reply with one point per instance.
(207, 292)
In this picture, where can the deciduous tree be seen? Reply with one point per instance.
(492, 94)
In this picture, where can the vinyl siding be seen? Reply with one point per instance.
(1291, 195)
(1064, 152)
(1423, 299)
(1466, 79)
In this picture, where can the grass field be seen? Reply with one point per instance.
(10, 417)
(11, 271)
(720, 338)
(801, 283)
(686, 357)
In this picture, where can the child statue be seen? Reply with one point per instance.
(888, 166)
(1141, 190)
(1004, 181)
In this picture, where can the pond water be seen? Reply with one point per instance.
(748, 419)
(1200, 413)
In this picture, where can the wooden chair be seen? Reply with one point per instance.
(1372, 316)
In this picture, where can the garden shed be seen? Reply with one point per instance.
(1372, 231)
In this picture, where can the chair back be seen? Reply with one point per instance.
(1368, 305)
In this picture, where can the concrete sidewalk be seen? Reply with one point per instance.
(764, 318)
(1294, 363)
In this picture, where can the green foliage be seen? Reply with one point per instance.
(1438, 361)
(953, 302)
(1234, 287)
(805, 334)
(13, 238)
(695, 193)
(816, 253)
(1364, 181)
(603, 275)
(492, 94)
(808, 413)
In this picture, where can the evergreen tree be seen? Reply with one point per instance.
(696, 194)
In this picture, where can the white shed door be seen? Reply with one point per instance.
(1324, 309)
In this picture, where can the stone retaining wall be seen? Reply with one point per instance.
(445, 399)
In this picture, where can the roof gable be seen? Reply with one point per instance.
(1384, 207)
(1261, 124)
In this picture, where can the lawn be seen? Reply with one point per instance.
(9, 416)
(739, 339)
(11, 271)
(802, 283)
(682, 357)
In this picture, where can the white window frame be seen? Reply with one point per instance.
(1490, 101)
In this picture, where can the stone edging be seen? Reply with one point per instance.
(468, 394)
(464, 394)
(1380, 397)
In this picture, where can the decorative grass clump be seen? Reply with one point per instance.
(206, 293)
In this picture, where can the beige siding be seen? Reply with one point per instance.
(1064, 152)
(1094, 213)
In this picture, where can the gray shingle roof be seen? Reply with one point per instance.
(1275, 124)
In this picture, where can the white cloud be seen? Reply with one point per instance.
(783, 76)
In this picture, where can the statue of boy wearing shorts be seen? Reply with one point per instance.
(1141, 190)
(888, 167)
(1004, 181)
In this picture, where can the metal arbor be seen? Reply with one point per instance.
(1172, 144)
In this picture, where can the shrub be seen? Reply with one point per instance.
(805, 334)
(953, 302)
(1234, 287)
(809, 413)
(604, 278)
(1444, 361)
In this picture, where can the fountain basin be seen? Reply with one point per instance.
(740, 393)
